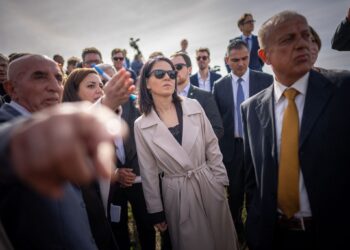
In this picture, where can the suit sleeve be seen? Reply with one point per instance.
(212, 152)
(150, 177)
(213, 114)
(249, 174)
(341, 37)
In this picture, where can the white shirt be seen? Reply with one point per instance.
(184, 92)
(245, 86)
(280, 105)
(204, 83)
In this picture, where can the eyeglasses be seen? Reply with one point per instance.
(249, 21)
(159, 73)
(204, 58)
(118, 58)
(179, 66)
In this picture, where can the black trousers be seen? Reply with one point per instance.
(235, 172)
(286, 239)
(145, 229)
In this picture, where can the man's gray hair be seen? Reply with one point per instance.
(273, 22)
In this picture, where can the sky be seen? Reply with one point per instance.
(67, 26)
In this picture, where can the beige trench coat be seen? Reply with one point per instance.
(195, 204)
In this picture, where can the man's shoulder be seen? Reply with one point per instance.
(215, 75)
(7, 113)
(200, 92)
(223, 80)
(256, 99)
(261, 74)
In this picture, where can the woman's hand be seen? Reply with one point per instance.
(161, 226)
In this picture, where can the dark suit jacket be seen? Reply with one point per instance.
(223, 94)
(341, 37)
(208, 103)
(322, 151)
(33, 221)
(255, 62)
(213, 77)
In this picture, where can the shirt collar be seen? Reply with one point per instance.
(22, 110)
(300, 85)
(184, 92)
(245, 76)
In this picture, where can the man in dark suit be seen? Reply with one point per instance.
(246, 25)
(204, 78)
(129, 189)
(229, 92)
(296, 157)
(183, 66)
(341, 37)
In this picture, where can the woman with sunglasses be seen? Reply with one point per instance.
(175, 140)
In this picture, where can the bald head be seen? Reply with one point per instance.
(35, 82)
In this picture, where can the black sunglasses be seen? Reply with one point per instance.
(160, 73)
(179, 66)
(118, 58)
(204, 58)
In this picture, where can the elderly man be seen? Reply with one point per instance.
(35, 83)
(296, 158)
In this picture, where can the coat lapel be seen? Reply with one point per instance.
(317, 96)
(266, 114)
(188, 135)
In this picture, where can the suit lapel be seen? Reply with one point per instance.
(317, 96)
(266, 114)
(253, 84)
(228, 90)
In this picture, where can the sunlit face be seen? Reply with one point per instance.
(91, 59)
(288, 50)
(165, 86)
(91, 88)
(38, 85)
(238, 60)
(182, 74)
(314, 50)
(203, 60)
(118, 60)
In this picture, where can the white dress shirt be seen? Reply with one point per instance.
(184, 92)
(280, 105)
(204, 83)
(245, 86)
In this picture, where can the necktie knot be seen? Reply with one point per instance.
(290, 93)
(239, 81)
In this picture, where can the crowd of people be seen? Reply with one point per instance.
(192, 154)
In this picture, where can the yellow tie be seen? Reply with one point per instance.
(288, 176)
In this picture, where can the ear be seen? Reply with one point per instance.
(263, 55)
(226, 60)
(9, 89)
(190, 70)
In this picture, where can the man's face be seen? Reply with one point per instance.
(118, 59)
(38, 84)
(3, 71)
(90, 59)
(183, 73)
(238, 60)
(203, 60)
(288, 50)
(248, 25)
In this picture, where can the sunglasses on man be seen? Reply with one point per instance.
(160, 73)
(179, 66)
(118, 58)
(204, 58)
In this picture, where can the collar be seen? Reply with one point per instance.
(22, 110)
(245, 76)
(300, 85)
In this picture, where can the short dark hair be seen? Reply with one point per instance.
(241, 20)
(144, 96)
(90, 50)
(72, 83)
(15, 55)
(186, 58)
(4, 58)
(236, 44)
(316, 37)
(58, 58)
